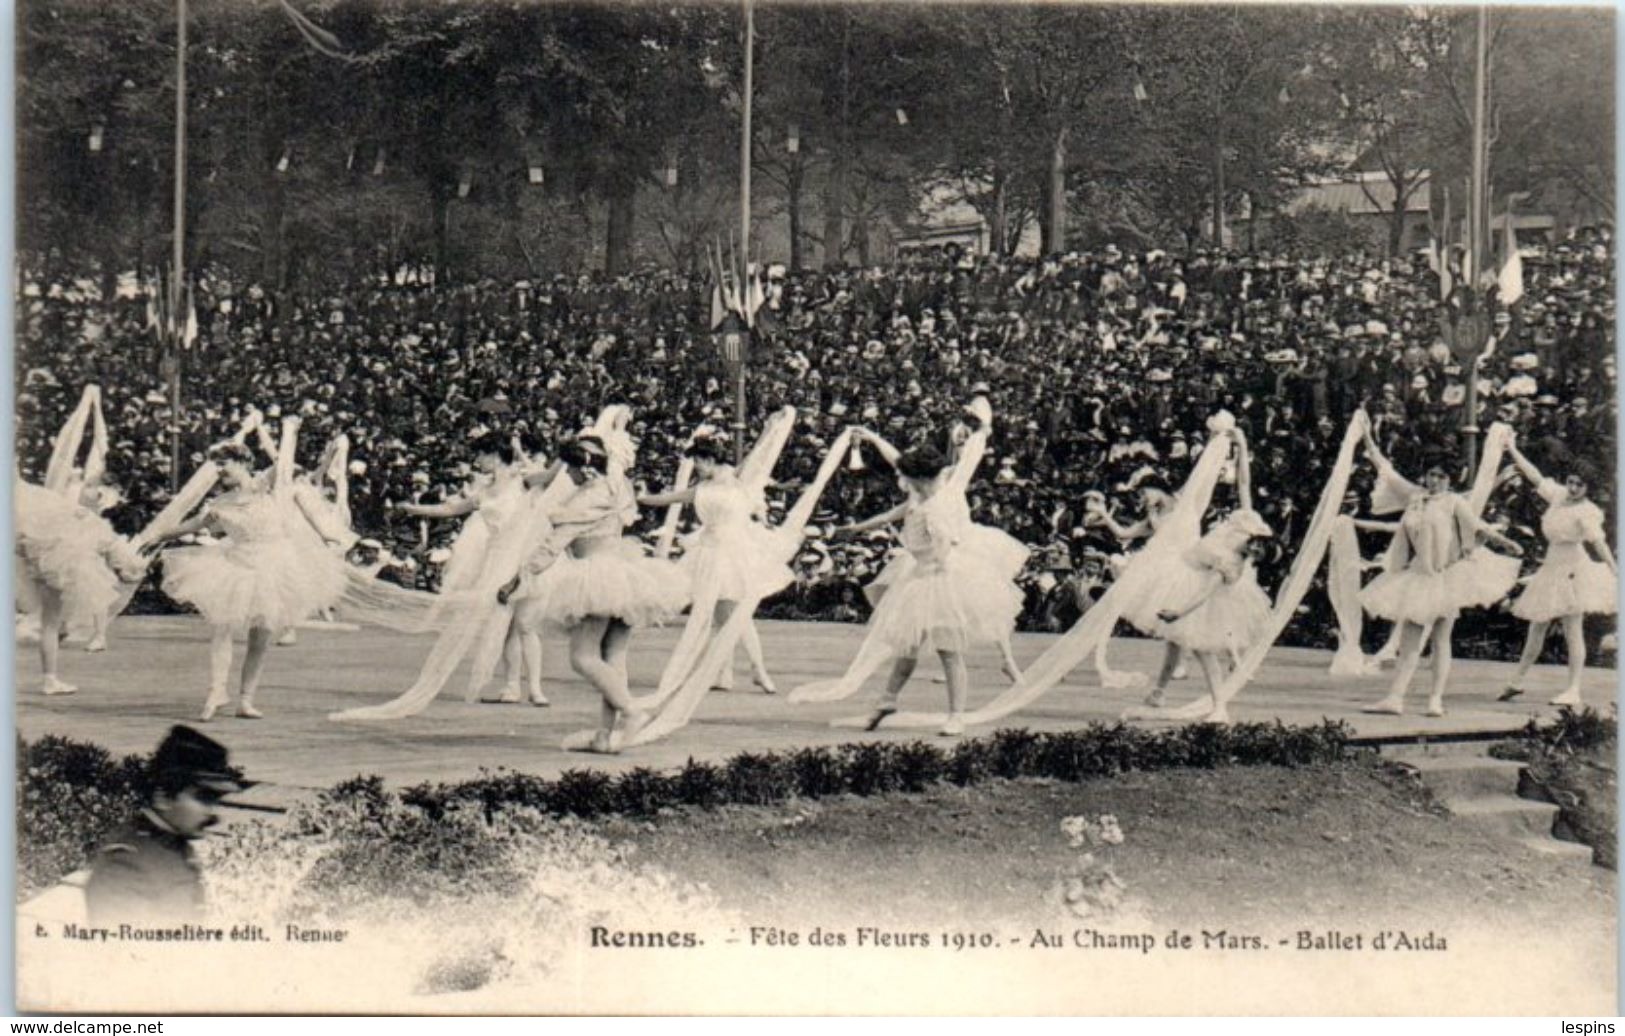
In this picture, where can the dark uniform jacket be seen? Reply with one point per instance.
(146, 872)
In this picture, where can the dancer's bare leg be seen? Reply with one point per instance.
(530, 648)
(513, 662)
(901, 670)
(953, 666)
(1214, 672)
(50, 644)
(98, 632)
(1411, 638)
(724, 678)
(1574, 638)
(1172, 659)
(590, 643)
(1012, 669)
(220, 649)
(1442, 657)
(253, 665)
(758, 665)
(1533, 641)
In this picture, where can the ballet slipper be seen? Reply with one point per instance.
(217, 699)
(1180, 672)
(765, 682)
(1155, 699)
(632, 724)
(289, 637)
(1389, 706)
(1218, 715)
(538, 699)
(1435, 707)
(954, 727)
(510, 696)
(1012, 674)
(879, 716)
(1510, 693)
(1570, 697)
(939, 678)
(97, 645)
(603, 743)
(246, 710)
(54, 686)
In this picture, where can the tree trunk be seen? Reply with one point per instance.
(795, 181)
(272, 268)
(1057, 196)
(1252, 222)
(835, 185)
(1218, 183)
(999, 237)
(1396, 224)
(618, 246)
(442, 234)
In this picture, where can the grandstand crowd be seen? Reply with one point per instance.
(1101, 368)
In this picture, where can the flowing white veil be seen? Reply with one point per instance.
(679, 707)
(1178, 533)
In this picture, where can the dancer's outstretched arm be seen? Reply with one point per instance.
(681, 496)
(543, 479)
(202, 521)
(1124, 533)
(1244, 470)
(450, 509)
(878, 521)
(1371, 526)
(1479, 529)
(319, 523)
(1525, 467)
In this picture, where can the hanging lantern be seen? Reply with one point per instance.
(792, 139)
(96, 132)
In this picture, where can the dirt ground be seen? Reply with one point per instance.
(1284, 849)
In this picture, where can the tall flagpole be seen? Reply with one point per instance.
(744, 240)
(178, 261)
(1477, 233)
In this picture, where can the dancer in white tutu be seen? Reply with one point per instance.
(595, 583)
(263, 578)
(1570, 584)
(967, 445)
(493, 500)
(732, 558)
(947, 597)
(1434, 569)
(1144, 611)
(69, 566)
(1228, 611)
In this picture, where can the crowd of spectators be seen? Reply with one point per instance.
(1098, 365)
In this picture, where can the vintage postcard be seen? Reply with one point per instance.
(815, 508)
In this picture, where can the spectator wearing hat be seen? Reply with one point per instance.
(147, 871)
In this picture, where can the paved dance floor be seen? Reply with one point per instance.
(155, 674)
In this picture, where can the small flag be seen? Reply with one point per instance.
(792, 139)
(96, 138)
(1511, 277)
(189, 332)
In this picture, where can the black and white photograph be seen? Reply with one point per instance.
(762, 507)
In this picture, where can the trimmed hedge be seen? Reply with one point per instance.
(71, 795)
(881, 767)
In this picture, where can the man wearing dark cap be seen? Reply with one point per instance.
(147, 872)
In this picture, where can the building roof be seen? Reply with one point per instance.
(1368, 195)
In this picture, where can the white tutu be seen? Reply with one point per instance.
(618, 582)
(70, 550)
(998, 548)
(1477, 580)
(897, 569)
(1568, 582)
(739, 571)
(1155, 584)
(952, 605)
(1232, 618)
(270, 584)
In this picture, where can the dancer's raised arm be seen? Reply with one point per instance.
(1244, 470)
(1525, 467)
(882, 447)
(678, 496)
(544, 478)
(454, 508)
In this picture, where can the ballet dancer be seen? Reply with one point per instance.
(264, 578)
(946, 597)
(1434, 569)
(1570, 583)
